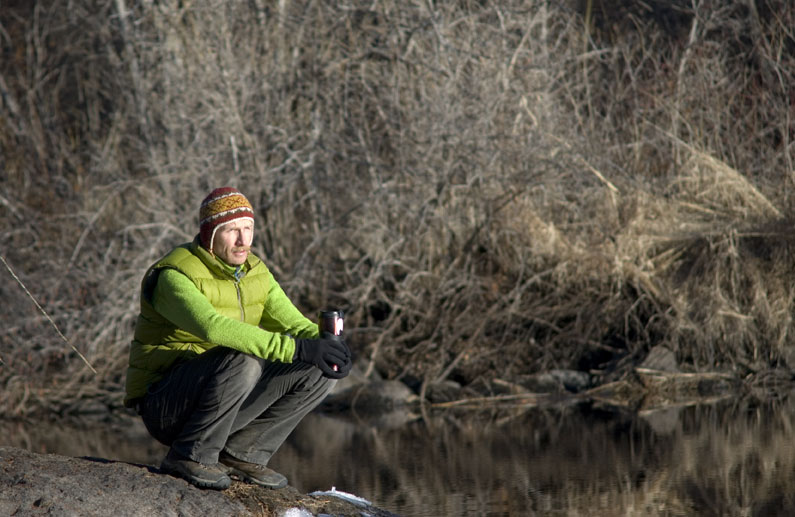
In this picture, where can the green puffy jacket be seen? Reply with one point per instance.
(191, 302)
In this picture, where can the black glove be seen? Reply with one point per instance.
(326, 352)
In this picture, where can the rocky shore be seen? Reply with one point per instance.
(55, 485)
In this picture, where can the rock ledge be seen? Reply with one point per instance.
(51, 484)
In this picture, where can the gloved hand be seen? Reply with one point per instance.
(325, 352)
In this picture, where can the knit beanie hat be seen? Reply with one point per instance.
(221, 206)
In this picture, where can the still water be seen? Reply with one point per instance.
(734, 458)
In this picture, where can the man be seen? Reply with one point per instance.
(222, 365)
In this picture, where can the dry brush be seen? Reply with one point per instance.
(488, 189)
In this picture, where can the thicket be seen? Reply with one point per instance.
(488, 189)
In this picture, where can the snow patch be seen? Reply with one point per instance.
(345, 496)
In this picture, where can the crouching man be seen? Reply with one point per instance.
(222, 365)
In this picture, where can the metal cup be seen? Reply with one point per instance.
(331, 321)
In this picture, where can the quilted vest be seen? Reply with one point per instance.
(157, 343)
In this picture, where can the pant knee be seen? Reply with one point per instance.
(247, 368)
(317, 383)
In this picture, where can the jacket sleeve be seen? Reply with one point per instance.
(280, 315)
(178, 300)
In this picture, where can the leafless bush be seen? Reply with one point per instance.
(487, 190)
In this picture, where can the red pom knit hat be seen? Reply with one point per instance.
(223, 205)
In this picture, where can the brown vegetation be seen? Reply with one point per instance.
(487, 189)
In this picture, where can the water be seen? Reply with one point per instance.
(731, 458)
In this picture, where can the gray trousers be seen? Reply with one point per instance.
(224, 399)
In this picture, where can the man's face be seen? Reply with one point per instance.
(232, 241)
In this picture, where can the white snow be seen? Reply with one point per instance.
(355, 499)
(296, 512)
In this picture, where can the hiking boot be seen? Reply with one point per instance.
(252, 472)
(198, 474)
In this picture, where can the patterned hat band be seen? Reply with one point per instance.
(220, 207)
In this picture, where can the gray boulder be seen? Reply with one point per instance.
(55, 485)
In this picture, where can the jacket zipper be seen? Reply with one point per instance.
(238, 276)
(240, 302)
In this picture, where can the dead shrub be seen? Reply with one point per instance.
(487, 190)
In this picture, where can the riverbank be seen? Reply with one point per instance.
(588, 458)
(656, 381)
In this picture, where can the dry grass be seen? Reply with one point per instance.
(487, 190)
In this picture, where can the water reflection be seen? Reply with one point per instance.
(733, 458)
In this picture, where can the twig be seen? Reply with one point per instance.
(45, 314)
(524, 399)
